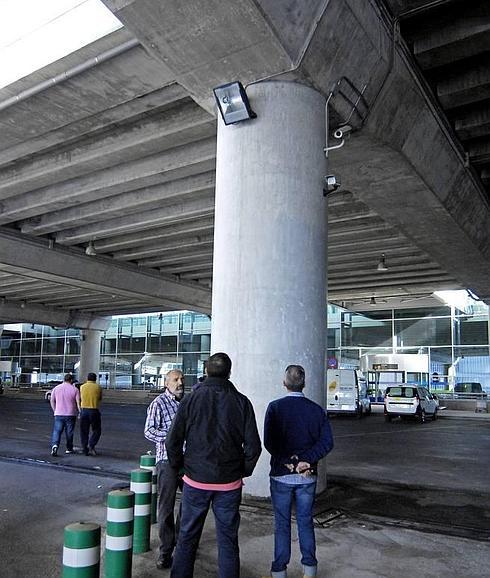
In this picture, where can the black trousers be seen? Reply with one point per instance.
(168, 481)
(90, 419)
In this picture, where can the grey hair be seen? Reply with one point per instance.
(294, 378)
(169, 373)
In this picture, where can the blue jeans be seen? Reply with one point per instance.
(66, 423)
(90, 418)
(195, 506)
(283, 496)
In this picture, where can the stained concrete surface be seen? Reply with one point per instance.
(37, 502)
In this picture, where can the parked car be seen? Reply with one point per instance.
(469, 390)
(410, 401)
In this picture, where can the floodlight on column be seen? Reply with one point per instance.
(233, 103)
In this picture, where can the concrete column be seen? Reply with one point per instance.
(89, 353)
(269, 279)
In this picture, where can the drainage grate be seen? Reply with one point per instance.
(326, 517)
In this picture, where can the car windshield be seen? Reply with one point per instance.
(468, 387)
(401, 392)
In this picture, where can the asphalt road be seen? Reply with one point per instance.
(434, 473)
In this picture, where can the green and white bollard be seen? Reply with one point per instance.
(81, 550)
(148, 462)
(119, 535)
(141, 486)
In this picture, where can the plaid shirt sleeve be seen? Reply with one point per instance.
(158, 421)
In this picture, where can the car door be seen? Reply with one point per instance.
(426, 400)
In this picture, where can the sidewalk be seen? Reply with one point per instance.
(347, 546)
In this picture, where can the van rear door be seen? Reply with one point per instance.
(342, 394)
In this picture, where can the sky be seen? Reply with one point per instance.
(34, 33)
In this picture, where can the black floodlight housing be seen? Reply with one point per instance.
(233, 103)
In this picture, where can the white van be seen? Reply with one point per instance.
(347, 392)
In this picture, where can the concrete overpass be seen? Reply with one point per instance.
(114, 145)
(113, 173)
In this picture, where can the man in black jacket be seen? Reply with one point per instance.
(222, 445)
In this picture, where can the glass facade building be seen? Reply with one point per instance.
(136, 351)
(456, 340)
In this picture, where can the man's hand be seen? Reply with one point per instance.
(304, 468)
(291, 466)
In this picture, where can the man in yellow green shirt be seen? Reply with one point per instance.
(90, 422)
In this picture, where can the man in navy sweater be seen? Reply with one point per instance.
(297, 434)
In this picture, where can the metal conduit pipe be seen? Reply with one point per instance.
(70, 73)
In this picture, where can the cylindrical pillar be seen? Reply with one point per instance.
(148, 462)
(89, 353)
(270, 238)
(141, 486)
(119, 535)
(81, 550)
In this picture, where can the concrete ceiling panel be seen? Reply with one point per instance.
(105, 182)
(141, 199)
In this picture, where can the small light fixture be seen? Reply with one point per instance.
(372, 301)
(90, 250)
(23, 304)
(233, 103)
(382, 264)
(50, 243)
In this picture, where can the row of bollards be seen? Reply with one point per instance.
(130, 514)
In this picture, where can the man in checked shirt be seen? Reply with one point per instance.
(161, 412)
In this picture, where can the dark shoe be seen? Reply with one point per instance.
(164, 563)
(54, 451)
(92, 451)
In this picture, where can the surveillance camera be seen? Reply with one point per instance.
(342, 131)
(331, 184)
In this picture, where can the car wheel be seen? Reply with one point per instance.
(434, 415)
(422, 416)
(388, 418)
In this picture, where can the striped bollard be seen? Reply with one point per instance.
(119, 535)
(81, 550)
(148, 462)
(141, 486)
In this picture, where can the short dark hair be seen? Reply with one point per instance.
(91, 377)
(294, 378)
(218, 365)
(68, 378)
